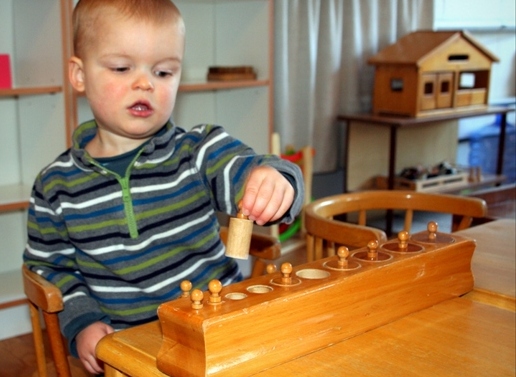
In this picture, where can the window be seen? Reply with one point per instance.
(397, 85)
(429, 88)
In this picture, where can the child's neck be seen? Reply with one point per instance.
(100, 147)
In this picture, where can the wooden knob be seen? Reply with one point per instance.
(432, 230)
(271, 268)
(196, 296)
(343, 254)
(240, 215)
(403, 237)
(186, 287)
(372, 250)
(215, 286)
(286, 270)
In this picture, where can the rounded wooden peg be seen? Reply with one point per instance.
(403, 237)
(196, 296)
(286, 271)
(239, 236)
(186, 287)
(343, 254)
(271, 268)
(432, 230)
(372, 250)
(215, 286)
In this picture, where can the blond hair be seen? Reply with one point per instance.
(87, 15)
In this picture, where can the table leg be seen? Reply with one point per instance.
(346, 157)
(501, 144)
(392, 174)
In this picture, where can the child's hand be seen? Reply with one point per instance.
(267, 196)
(87, 340)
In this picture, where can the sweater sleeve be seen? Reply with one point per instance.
(50, 254)
(225, 162)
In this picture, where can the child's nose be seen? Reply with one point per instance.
(143, 82)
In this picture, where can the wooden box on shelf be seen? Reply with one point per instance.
(220, 73)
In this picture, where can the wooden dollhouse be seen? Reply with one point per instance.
(431, 72)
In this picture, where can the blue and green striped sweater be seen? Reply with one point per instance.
(117, 246)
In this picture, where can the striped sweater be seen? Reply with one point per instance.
(118, 246)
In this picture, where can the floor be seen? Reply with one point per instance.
(17, 358)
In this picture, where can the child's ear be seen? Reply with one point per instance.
(76, 73)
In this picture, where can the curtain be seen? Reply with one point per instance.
(321, 70)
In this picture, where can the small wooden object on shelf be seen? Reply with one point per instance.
(431, 72)
(231, 73)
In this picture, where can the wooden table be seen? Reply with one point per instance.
(365, 151)
(494, 262)
(466, 336)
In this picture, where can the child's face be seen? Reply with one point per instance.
(131, 74)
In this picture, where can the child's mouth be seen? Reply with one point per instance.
(141, 109)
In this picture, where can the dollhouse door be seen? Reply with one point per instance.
(444, 89)
(436, 90)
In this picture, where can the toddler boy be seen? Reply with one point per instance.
(128, 212)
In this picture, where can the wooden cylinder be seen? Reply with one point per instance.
(239, 237)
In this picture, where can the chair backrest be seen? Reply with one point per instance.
(321, 225)
(46, 297)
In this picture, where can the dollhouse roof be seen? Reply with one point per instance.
(415, 47)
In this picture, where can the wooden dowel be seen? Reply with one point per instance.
(239, 237)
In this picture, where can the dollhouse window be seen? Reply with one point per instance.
(458, 58)
(397, 85)
(429, 88)
(467, 80)
(445, 87)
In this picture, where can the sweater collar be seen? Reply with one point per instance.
(86, 131)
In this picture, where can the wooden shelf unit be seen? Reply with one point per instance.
(35, 123)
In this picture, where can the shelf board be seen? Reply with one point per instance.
(487, 181)
(27, 91)
(220, 85)
(14, 197)
(203, 86)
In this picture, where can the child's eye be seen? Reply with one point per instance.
(163, 73)
(120, 69)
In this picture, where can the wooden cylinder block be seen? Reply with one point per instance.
(239, 237)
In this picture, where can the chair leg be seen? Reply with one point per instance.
(56, 345)
(318, 248)
(258, 268)
(310, 248)
(39, 346)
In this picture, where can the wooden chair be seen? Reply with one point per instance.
(46, 298)
(323, 231)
